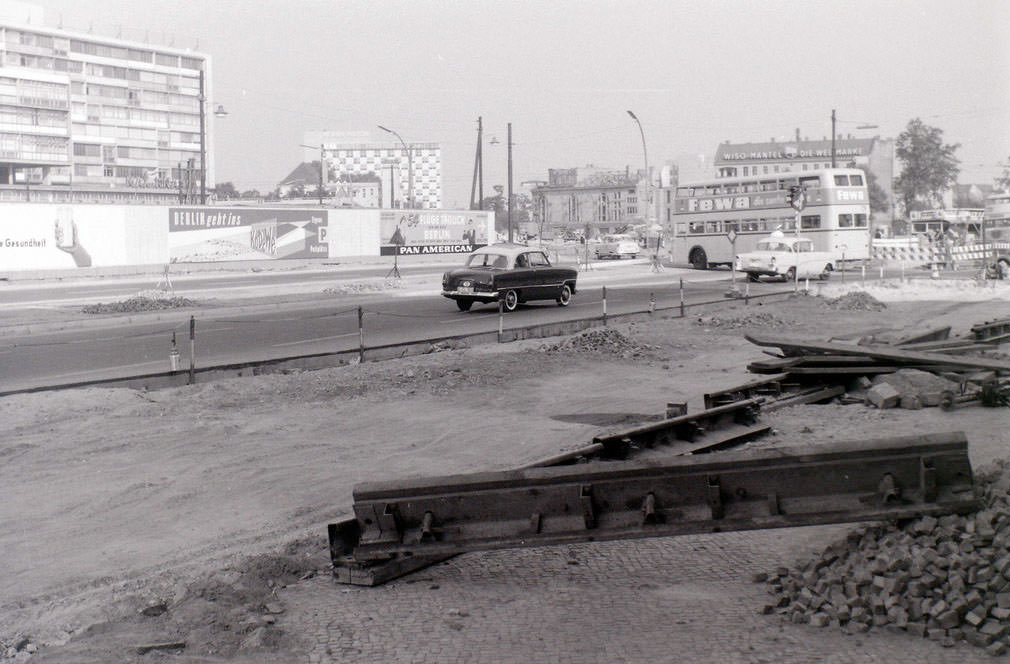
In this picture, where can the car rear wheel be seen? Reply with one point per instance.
(464, 305)
(753, 277)
(565, 297)
(510, 300)
(791, 274)
(699, 260)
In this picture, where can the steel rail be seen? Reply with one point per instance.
(842, 482)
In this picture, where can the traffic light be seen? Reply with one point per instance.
(789, 195)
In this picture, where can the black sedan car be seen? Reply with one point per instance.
(511, 273)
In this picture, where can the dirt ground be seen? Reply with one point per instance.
(151, 518)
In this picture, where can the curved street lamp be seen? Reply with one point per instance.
(410, 165)
(649, 218)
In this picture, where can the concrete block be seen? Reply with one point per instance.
(1000, 613)
(975, 617)
(883, 396)
(996, 648)
(1003, 600)
(949, 619)
(820, 619)
(916, 628)
(994, 628)
(910, 402)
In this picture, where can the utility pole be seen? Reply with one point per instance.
(321, 167)
(509, 204)
(832, 138)
(478, 170)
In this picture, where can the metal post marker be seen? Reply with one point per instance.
(192, 350)
(361, 336)
(604, 305)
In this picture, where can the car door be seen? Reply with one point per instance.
(547, 277)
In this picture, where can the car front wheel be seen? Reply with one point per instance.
(565, 297)
(753, 277)
(510, 300)
(791, 274)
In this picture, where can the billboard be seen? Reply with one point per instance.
(197, 235)
(414, 232)
(37, 236)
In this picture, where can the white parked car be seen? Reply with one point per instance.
(787, 256)
(617, 246)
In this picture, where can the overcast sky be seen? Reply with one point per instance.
(565, 73)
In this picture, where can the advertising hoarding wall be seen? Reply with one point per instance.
(202, 234)
(39, 236)
(353, 233)
(52, 237)
(416, 232)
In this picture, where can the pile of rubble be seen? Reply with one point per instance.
(946, 579)
(758, 319)
(856, 301)
(599, 340)
(911, 389)
(138, 303)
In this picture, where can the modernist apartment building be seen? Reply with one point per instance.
(403, 171)
(589, 199)
(97, 119)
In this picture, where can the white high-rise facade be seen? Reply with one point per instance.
(358, 153)
(99, 119)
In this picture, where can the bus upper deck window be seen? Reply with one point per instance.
(861, 220)
(856, 180)
(845, 221)
(841, 180)
(810, 182)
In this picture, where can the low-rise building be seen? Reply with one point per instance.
(589, 201)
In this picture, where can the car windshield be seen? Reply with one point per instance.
(487, 260)
(773, 245)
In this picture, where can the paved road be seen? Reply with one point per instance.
(224, 336)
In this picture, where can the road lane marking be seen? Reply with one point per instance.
(315, 340)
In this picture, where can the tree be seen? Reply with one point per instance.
(878, 197)
(1002, 183)
(929, 166)
(522, 205)
(251, 193)
(226, 191)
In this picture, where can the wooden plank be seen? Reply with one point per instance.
(880, 353)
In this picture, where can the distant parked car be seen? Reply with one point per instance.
(617, 246)
(511, 273)
(787, 256)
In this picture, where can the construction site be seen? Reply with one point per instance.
(822, 477)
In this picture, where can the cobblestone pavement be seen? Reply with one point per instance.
(679, 599)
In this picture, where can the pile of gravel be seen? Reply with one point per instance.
(357, 287)
(136, 304)
(856, 301)
(599, 340)
(755, 319)
(946, 579)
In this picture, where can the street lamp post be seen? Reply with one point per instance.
(219, 112)
(648, 186)
(410, 165)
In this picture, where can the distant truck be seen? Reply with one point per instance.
(787, 256)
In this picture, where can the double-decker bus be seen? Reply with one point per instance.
(835, 216)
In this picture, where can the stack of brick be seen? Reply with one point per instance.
(946, 578)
